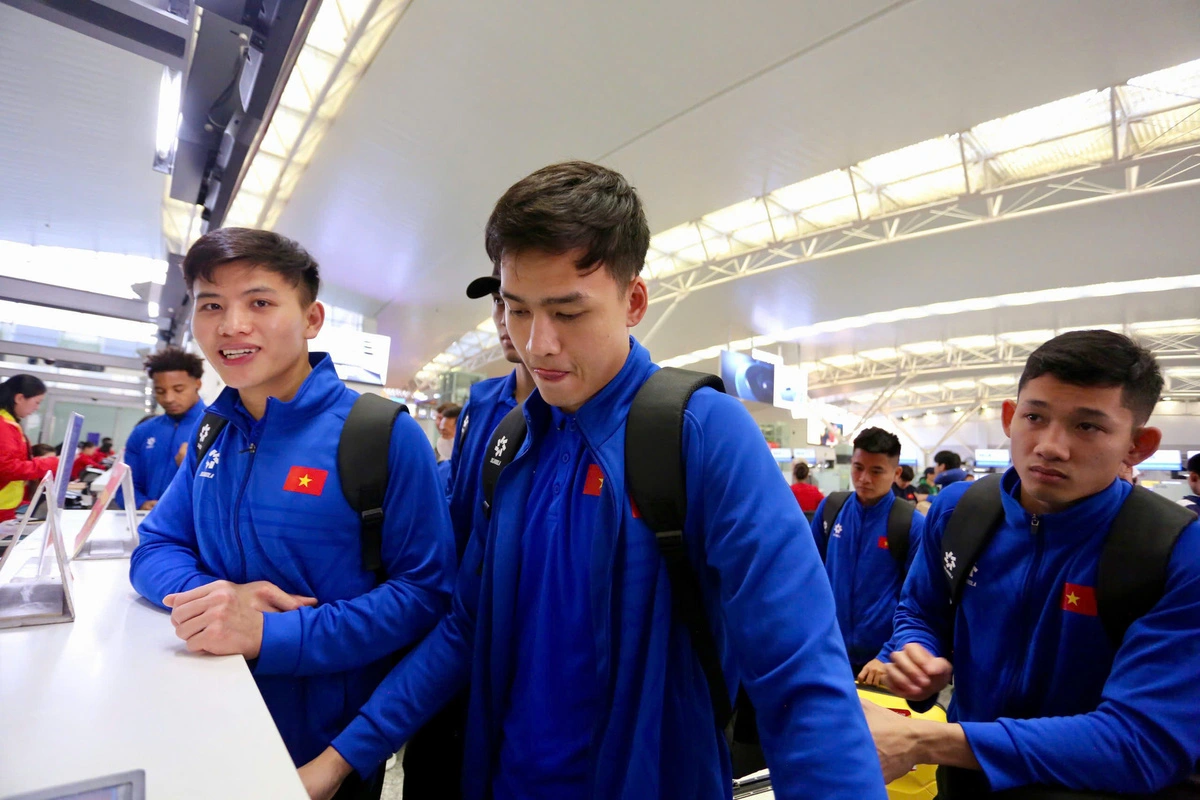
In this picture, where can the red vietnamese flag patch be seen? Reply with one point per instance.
(882, 543)
(1079, 599)
(306, 480)
(594, 482)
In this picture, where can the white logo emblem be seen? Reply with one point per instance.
(949, 562)
(214, 458)
(204, 432)
(970, 578)
(150, 443)
(501, 446)
(837, 530)
(466, 422)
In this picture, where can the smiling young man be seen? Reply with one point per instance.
(433, 757)
(154, 448)
(255, 550)
(1047, 690)
(584, 684)
(868, 543)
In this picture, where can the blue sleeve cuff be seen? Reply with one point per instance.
(363, 746)
(279, 653)
(994, 750)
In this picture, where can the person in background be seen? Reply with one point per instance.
(106, 446)
(88, 456)
(156, 446)
(807, 495)
(433, 757)
(41, 449)
(254, 549)
(20, 396)
(926, 488)
(970, 478)
(1044, 697)
(1192, 501)
(949, 468)
(865, 576)
(903, 487)
(447, 421)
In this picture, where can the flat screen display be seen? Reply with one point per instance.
(748, 378)
(782, 454)
(992, 458)
(805, 454)
(1163, 461)
(357, 356)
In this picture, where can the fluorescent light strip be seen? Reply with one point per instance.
(1161, 111)
(1142, 286)
(75, 323)
(109, 274)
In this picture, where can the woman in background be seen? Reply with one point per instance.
(20, 396)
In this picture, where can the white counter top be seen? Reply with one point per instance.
(116, 690)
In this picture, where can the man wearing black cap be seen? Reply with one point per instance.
(433, 759)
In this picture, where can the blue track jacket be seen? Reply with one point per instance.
(1039, 691)
(866, 579)
(232, 519)
(766, 595)
(150, 453)
(490, 400)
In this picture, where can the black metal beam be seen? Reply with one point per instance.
(134, 26)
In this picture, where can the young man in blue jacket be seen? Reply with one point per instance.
(583, 682)
(155, 448)
(865, 575)
(255, 550)
(433, 757)
(1042, 695)
(948, 468)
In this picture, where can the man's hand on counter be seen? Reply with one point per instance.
(324, 774)
(224, 618)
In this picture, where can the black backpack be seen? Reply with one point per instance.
(1133, 563)
(362, 465)
(899, 526)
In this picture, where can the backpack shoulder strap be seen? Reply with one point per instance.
(206, 435)
(363, 467)
(833, 506)
(899, 529)
(975, 518)
(655, 477)
(502, 448)
(1133, 564)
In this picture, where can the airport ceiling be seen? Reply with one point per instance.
(700, 104)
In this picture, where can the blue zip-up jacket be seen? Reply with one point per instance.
(866, 579)
(489, 401)
(1040, 693)
(150, 453)
(766, 595)
(232, 519)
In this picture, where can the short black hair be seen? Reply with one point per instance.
(948, 459)
(85, 444)
(877, 440)
(264, 249)
(1193, 464)
(574, 205)
(450, 410)
(929, 471)
(173, 359)
(41, 449)
(906, 473)
(800, 470)
(1101, 359)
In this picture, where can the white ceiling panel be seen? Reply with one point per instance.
(700, 104)
(77, 119)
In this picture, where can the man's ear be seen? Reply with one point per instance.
(637, 301)
(1145, 443)
(1008, 412)
(314, 319)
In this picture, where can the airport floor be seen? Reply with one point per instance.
(393, 780)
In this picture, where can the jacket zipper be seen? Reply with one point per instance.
(1018, 671)
(237, 510)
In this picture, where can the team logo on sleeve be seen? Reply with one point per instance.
(210, 463)
(150, 443)
(306, 480)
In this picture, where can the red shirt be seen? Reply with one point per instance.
(82, 462)
(807, 495)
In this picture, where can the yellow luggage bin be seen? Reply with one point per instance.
(921, 782)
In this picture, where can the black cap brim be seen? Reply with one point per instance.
(482, 287)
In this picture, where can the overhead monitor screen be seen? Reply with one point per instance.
(1164, 461)
(748, 378)
(357, 356)
(782, 454)
(992, 458)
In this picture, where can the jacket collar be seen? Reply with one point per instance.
(320, 390)
(884, 504)
(601, 416)
(1090, 516)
